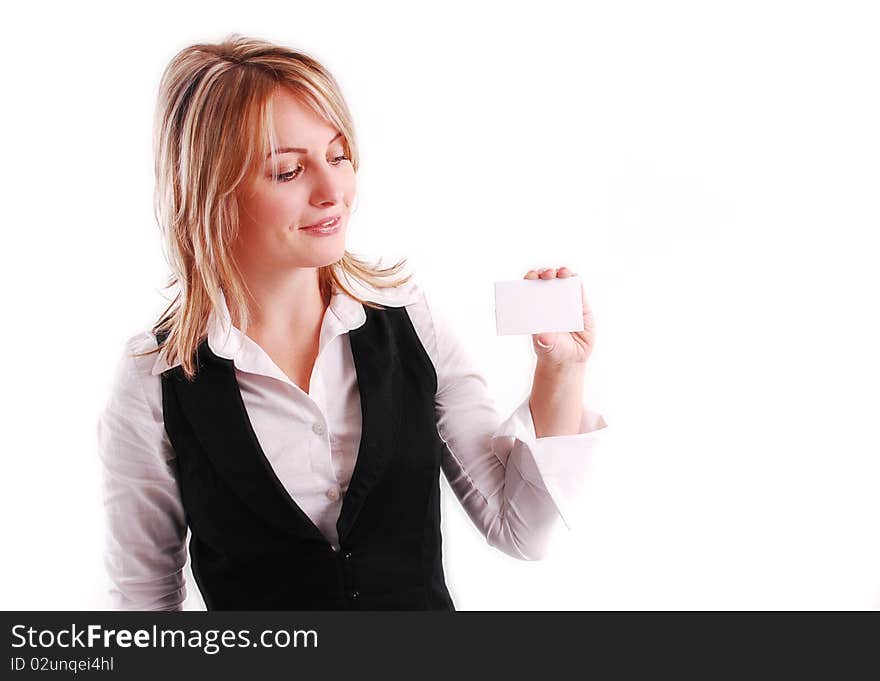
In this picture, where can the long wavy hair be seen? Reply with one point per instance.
(212, 130)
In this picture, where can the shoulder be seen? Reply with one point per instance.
(409, 295)
(394, 296)
(428, 317)
(412, 297)
(132, 362)
(136, 347)
(131, 423)
(132, 383)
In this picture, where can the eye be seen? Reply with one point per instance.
(290, 174)
(296, 172)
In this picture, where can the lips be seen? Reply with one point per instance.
(325, 223)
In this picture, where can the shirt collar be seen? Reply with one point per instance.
(344, 314)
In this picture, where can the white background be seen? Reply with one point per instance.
(710, 169)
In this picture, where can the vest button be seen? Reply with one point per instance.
(354, 594)
(347, 555)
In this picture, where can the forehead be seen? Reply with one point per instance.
(295, 123)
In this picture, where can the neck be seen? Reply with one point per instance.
(290, 304)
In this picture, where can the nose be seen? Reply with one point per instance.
(327, 189)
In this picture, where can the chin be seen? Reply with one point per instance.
(324, 256)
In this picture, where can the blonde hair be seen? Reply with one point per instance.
(214, 98)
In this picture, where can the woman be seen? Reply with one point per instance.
(295, 426)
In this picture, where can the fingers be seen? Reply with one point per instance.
(550, 273)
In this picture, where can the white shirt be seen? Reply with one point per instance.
(515, 487)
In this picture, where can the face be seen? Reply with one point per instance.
(315, 181)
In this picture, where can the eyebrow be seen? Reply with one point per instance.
(299, 150)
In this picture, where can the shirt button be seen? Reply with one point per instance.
(333, 494)
(318, 428)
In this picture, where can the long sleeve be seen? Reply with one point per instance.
(516, 488)
(145, 528)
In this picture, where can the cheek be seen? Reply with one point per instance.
(349, 185)
(271, 209)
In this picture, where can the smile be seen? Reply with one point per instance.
(330, 226)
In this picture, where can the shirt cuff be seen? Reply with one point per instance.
(558, 464)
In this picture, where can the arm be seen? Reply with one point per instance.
(145, 529)
(558, 384)
(555, 400)
(514, 486)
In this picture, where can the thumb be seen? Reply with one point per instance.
(545, 342)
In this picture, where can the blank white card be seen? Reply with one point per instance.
(538, 306)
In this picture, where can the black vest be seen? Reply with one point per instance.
(253, 548)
